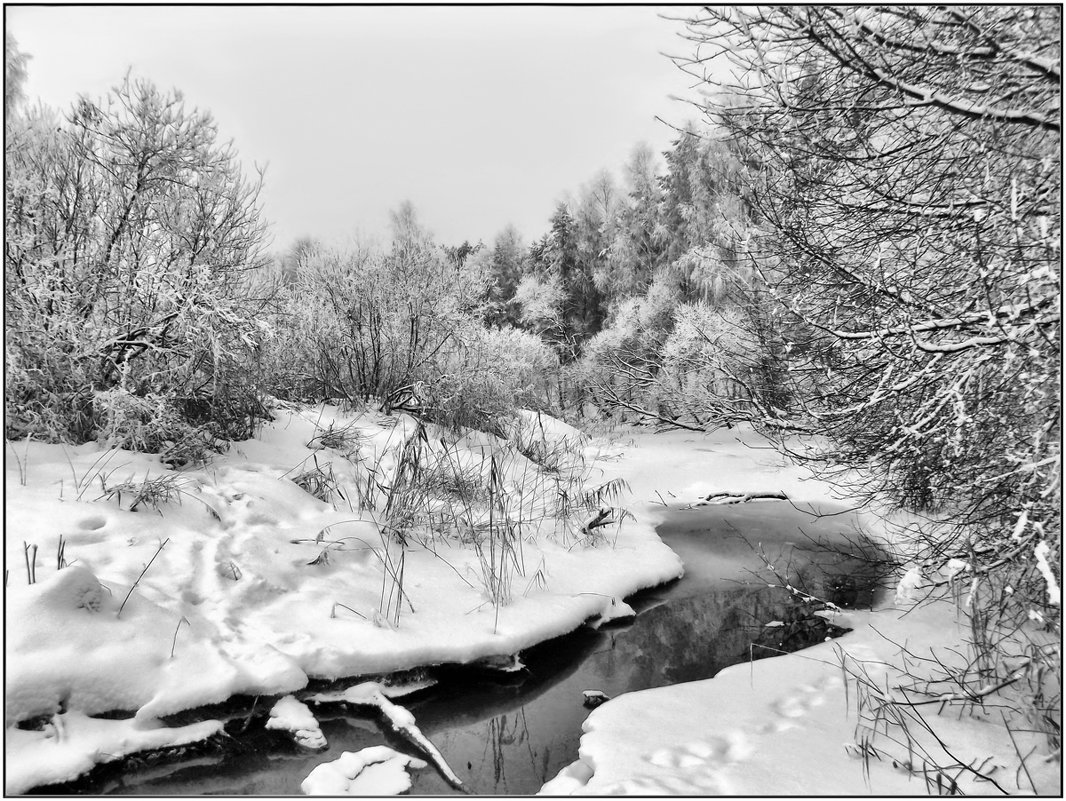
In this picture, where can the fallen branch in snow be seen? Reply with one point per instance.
(968, 696)
(403, 722)
(899, 695)
(722, 498)
(600, 519)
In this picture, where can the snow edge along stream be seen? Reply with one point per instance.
(233, 605)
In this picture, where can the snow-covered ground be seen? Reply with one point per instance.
(801, 723)
(201, 584)
(788, 726)
(243, 582)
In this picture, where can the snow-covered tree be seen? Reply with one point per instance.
(129, 230)
(14, 74)
(503, 265)
(909, 183)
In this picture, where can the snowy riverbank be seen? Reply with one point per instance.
(247, 597)
(253, 585)
(790, 725)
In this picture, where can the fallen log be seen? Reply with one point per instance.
(722, 498)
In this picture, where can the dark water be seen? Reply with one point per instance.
(509, 734)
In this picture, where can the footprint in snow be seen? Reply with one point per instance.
(701, 763)
(699, 768)
(800, 703)
(92, 523)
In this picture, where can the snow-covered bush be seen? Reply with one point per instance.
(920, 245)
(486, 375)
(705, 356)
(402, 329)
(127, 230)
(364, 325)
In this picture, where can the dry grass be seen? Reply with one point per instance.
(154, 492)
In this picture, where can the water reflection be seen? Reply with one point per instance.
(503, 737)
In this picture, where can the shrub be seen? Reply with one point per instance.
(402, 329)
(128, 233)
(480, 381)
(362, 325)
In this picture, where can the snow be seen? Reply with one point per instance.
(1054, 592)
(909, 584)
(291, 715)
(72, 742)
(260, 586)
(357, 695)
(372, 771)
(801, 723)
(400, 719)
(616, 609)
(788, 725)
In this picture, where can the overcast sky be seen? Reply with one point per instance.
(480, 116)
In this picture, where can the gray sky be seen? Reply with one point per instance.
(480, 116)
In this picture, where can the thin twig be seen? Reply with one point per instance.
(138, 581)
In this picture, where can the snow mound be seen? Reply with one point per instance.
(71, 589)
(532, 423)
(291, 715)
(377, 770)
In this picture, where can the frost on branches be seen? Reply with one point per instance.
(905, 166)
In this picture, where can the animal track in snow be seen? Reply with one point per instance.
(715, 750)
(699, 767)
(776, 726)
(92, 523)
(703, 783)
(802, 701)
(702, 763)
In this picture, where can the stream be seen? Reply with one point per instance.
(506, 733)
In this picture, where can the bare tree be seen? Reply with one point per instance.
(905, 162)
(129, 230)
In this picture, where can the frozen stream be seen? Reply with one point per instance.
(510, 733)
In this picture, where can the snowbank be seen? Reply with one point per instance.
(154, 591)
(790, 725)
(72, 743)
(235, 579)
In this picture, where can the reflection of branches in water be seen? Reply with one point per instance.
(545, 764)
(608, 649)
(503, 733)
(695, 637)
(472, 699)
(835, 571)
